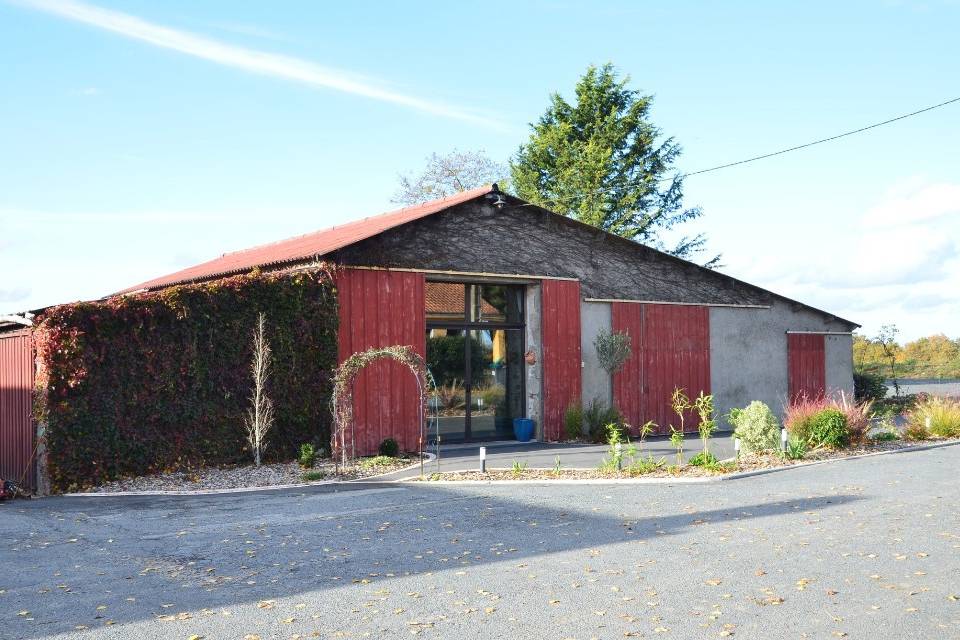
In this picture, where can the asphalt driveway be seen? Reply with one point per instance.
(864, 548)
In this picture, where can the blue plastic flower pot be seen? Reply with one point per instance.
(523, 429)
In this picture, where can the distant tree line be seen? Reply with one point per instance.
(935, 356)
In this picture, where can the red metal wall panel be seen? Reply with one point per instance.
(806, 365)
(382, 309)
(671, 348)
(628, 382)
(16, 421)
(560, 340)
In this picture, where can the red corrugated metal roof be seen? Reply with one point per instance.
(307, 246)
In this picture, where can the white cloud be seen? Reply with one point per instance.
(917, 204)
(252, 60)
(90, 91)
(899, 263)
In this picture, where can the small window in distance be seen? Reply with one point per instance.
(446, 301)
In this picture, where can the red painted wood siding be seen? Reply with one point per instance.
(806, 365)
(381, 309)
(16, 393)
(671, 348)
(628, 394)
(560, 339)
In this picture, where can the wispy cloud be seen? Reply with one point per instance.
(251, 30)
(252, 60)
(918, 204)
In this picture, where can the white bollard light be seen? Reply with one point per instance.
(483, 459)
(783, 439)
(617, 449)
(736, 446)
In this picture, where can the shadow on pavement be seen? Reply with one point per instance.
(61, 558)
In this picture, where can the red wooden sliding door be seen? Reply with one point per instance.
(670, 349)
(381, 309)
(806, 365)
(560, 329)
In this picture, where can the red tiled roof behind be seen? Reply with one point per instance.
(307, 246)
(447, 298)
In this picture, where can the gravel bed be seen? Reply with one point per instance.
(747, 462)
(238, 477)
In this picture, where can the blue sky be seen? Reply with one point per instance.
(139, 137)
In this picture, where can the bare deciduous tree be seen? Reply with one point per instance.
(887, 337)
(450, 174)
(259, 418)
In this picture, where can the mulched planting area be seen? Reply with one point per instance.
(238, 477)
(746, 462)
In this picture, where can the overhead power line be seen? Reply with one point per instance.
(815, 142)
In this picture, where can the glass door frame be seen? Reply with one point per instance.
(468, 327)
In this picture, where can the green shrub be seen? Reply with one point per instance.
(597, 416)
(756, 427)
(308, 456)
(643, 466)
(676, 440)
(389, 448)
(154, 381)
(829, 429)
(884, 435)
(704, 458)
(796, 449)
(313, 476)
(720, 467)
(943, 415)
(378, 461)
(869, 386)
(800, 416)
(616, 450)
(573, 420)
(916, 431)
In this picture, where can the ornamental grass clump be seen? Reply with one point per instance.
(756, 427)
(937, 416)
(807, 417)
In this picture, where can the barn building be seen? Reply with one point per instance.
(505, 299)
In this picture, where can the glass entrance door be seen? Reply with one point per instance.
(475, 344)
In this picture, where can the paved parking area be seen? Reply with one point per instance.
(863, 548)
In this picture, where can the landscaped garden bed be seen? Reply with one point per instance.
(661, 468)
(815, 429)
(247, 476)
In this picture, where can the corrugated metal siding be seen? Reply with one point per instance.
(671, 348)
(381, 309)
(806, 365)
(560, 339)
(16, 393)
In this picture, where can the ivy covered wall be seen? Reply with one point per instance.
(156, 381)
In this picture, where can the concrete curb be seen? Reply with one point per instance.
(691, 480)
(428, 457)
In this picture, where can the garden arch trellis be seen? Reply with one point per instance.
(342, 401)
